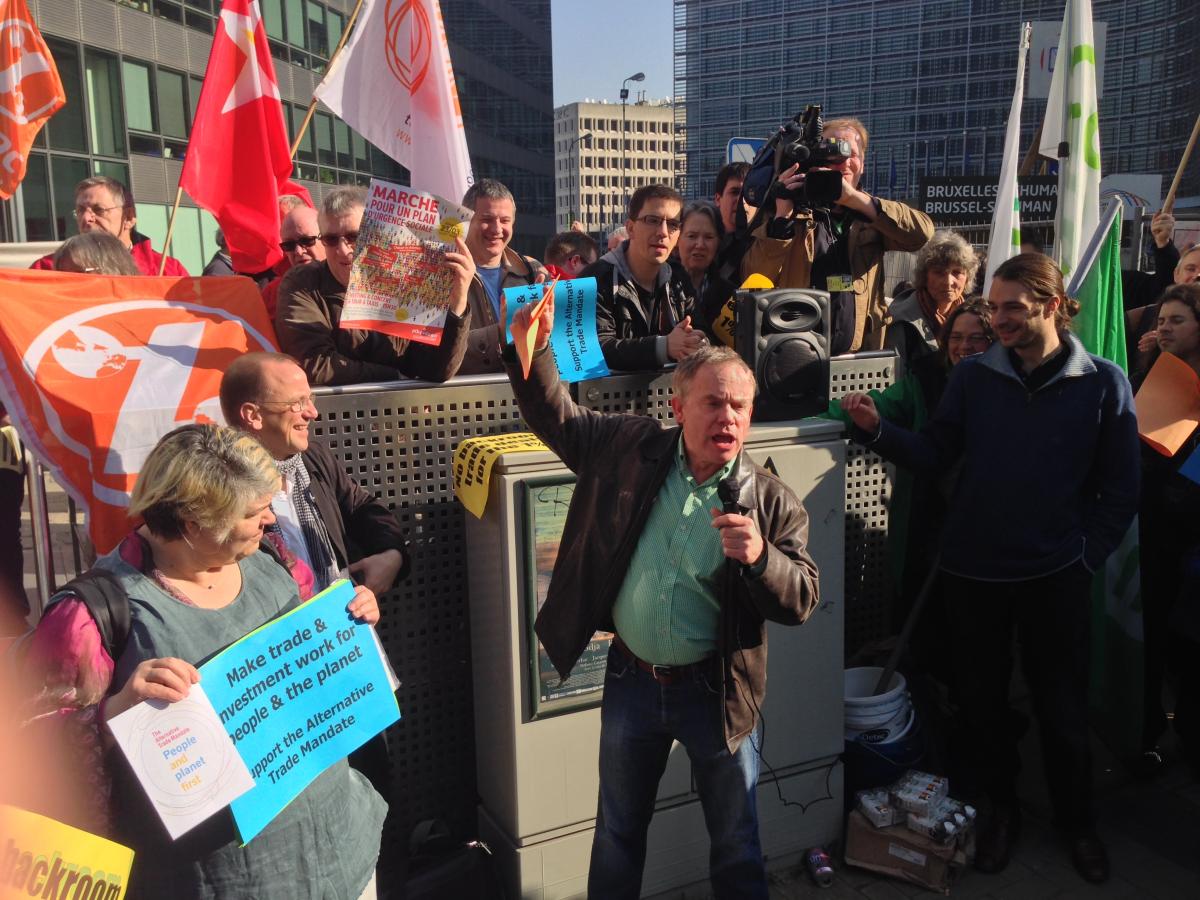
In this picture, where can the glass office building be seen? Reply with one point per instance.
(931, 79)
(132, 71)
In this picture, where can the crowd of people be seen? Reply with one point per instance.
(1019, 472)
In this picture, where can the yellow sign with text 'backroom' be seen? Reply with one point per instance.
(40, 857)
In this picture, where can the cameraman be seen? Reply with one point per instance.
(840, 249)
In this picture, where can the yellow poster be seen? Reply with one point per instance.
(40, 857)
(473, 461)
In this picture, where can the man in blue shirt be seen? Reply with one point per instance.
(496, 267)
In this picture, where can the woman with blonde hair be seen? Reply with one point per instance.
(196, 582)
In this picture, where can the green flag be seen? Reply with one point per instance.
(1101, 320)
(1115, 694)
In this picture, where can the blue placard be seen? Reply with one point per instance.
(1191, 466)
(296, 696)
(573, 338)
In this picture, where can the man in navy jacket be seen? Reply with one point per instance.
(1047, 436)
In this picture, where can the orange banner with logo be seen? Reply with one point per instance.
(30, 90)
(94, 369)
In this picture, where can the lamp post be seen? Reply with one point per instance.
(639, 76)
(578, 174)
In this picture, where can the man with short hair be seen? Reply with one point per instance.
(644, 301)
(728, 193)
(300, 241)
(497, 266)
(310, 310)
(323, 517)
(569, 253)
(617, 238)
(1046, 489)
(686, 587)
(839, 250)
(104, 204)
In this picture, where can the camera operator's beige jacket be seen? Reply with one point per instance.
(788, 263)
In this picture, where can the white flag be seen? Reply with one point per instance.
(1073, 116)
(393, 83)
(1005, 241)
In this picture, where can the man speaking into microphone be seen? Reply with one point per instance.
(677, 542)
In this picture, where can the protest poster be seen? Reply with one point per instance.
(573, 338)
(44, 858)
(183, 758)
(473, 461)
(399, 282)
(297, 695)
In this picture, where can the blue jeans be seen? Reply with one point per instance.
(639, 720)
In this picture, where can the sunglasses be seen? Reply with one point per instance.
(305, 242)
(332, 240)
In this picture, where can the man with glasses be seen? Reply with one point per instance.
(310, 310)
(644, 302)
(104, 204)
(300, 241)
(323, 517)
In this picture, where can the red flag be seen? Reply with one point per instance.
(239, 160)
(30, 91)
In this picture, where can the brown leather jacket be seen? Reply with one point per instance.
(483, 345)
(788, 262)
(620, 462)
(307, 324)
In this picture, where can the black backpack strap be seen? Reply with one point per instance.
(108, 605)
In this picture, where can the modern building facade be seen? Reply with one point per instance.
(133, 71)
(603, 152)
(932, 80)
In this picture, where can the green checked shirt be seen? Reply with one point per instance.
(668, 611)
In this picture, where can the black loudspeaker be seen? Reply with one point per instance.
(783, 335)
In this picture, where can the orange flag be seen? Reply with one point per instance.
(94, 369)
(30, 91)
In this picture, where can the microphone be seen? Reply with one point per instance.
(727, 489)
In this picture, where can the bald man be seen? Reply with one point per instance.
(298, 240)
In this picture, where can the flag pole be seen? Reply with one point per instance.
(1031, 157)
(312, 106)
(166, 250)
(1169, 203)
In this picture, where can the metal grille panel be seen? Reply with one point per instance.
(61, 18)
(868, 492)
(645, 394)
(172, 41)
(137, 33)
(398, 444)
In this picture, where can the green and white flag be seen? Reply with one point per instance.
(1073, 118)
(1005, 241)
(1115, 688)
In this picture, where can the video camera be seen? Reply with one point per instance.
(798, 142)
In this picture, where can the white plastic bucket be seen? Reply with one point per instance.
(876, 718)
(859, 688)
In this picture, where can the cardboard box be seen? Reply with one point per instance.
(902, 853)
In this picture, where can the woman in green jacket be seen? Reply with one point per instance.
(917, 509)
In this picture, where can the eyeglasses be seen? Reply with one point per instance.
(306, 242)
(298, 405)
(95, 209)
(673, 225)
(332, 240)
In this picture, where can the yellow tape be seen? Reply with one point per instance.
(723, 326)
(40, 857)
(473, 461)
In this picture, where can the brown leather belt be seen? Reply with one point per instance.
(664, 674)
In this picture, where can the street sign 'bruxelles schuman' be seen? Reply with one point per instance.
(968, 200)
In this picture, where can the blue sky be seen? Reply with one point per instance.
(598, 44)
